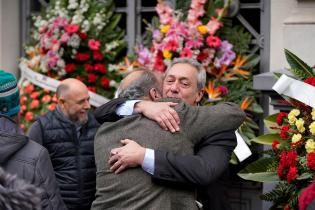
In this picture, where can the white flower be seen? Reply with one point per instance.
(111, 46)
(73, 4)
(61, 63)
(74, 41)
(77, 19)
(43, 66)
(97, 19)
(113, 83)
(112, 67)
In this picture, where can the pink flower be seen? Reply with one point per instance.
(65, 38)
(186, 53)
(172, 45)
(213, 41)
(94, 44)
(178, 29)
(213, 25)
(72, 28)
(60, 22)
(195, 40)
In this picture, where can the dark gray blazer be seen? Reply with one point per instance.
(133, 189)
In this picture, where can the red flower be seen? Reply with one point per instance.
(23, 99)
(275, 144)
(311, 160)
(35, 104)
(52, 107)
(23, 108)
(310, 81)
(307, 196)
(88, 67)
(82, 56)
(213, 41)
(35, 95)
(172, 45)
(201, 56)
(105, 83)
(94, 44)
(46, 99)
(159, 65)
(79, 78)
(292, 174)
(100, 68)
(291, 158)
(280, 117)
(284, 131)
(92, 78)
(82, 35)
(54, 98)
(98, 56)
(72, 28)
(223, 89)
(29, 88)
(280, 171)
(29, 116)
(92, 89)
(186, 53)
(71, 67)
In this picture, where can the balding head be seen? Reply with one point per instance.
(140, 84)
(73, 100)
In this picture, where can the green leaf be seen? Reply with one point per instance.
(257, 171)
(256, 108)
(305, 176)
(299, 67)
(270, 123)
(251, 61)
(267, 139)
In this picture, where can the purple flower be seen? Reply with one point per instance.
(143, 54)
(157, 35)
(227, 54)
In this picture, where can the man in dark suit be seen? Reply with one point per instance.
(184, 79)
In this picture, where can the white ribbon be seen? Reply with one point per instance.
(241, 151)
(52, 84)
(295, 89)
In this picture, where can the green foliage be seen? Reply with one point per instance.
(298, 67)
(239, 37)
(259, 171)
(271, 124)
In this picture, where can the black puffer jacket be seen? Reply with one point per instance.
(72, 156)
(29, 161)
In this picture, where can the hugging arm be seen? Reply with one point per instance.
(211, 159)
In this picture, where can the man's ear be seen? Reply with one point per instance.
(154, 94)
(199, 96)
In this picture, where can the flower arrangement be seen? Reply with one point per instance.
(78, 39)
(201, 35)
(291, 159)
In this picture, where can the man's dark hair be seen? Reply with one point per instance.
(141, 86)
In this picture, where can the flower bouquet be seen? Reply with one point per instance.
(78, 39)
(291, 160)
(200, 34)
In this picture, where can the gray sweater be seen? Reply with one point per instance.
(134, 189)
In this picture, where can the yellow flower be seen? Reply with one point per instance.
(300, 125)
(310, 146)
(292, 116)
(202, 29)
(296, 138)
(312, 128)
(167, 54)
(313, 114)
(165, 28)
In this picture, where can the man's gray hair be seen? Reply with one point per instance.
(201, 72)
(16, 194)
(141, 86)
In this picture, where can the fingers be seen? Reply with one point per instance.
(171, 104)
(175, 116)
(117, 164)
(120, 169)
(126, 141)
(168, 121)
(161, 122)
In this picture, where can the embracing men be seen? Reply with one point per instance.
(208, 130)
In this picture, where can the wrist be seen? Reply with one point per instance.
(141, 155)
(138, 107)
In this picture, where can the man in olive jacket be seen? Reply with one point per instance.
(21, 156)
(134, 189)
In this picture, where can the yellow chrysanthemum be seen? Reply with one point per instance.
(300, 125)
(167, 54)
(296, 138)
(292, 119)
(202, 29)
(312, 128)
(165, 28)
(294, 112)
(310, 146)
(313, 114)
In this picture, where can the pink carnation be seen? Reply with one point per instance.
(94, 44)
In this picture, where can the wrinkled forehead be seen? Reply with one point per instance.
(182, 70)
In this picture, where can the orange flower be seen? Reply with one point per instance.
(29, 88)
(35, 104)
(22, 126)
(46, 90)
(238, 63)
(46, 98)
(213, 93)
(246, 103)
(35, 95)
(128, 66)
(52, 107)
(22, 109)
(29, 116)
(23, 99)
(54, 98)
